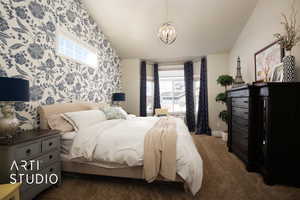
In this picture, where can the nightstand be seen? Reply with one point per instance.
(29, 156)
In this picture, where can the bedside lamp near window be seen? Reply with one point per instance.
(117, 98)
(11, 90)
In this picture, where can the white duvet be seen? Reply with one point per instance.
(122, 142)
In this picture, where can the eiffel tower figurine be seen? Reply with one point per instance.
(238, 81)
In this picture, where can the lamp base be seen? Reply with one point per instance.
(8, 123)
(116, 104)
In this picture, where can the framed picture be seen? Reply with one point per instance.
(266, 59)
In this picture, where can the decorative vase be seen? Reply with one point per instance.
(289, 68)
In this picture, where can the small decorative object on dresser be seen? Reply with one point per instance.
(288, 41)
(238, 81)
(11, 90)
(32, 158)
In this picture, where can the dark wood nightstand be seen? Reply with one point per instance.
(34, 152)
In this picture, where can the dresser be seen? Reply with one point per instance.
(264, 130)
(279, 132)
(242, 124)
(31, 153)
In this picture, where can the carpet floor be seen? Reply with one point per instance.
(225, 178)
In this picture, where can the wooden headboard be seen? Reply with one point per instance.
(48, 110)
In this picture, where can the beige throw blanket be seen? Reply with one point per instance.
(160, 150)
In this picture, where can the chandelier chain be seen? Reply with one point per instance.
(167, 10)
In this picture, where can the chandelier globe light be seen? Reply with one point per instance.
(167, 32)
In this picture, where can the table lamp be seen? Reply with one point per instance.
(11, 90)
(118, 97)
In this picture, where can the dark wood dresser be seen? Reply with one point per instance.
(264, 130)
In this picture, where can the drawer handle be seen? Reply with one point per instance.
(50, 157)
(51, 170)
(50, 143)
(28, 151)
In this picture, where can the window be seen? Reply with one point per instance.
(150, 97)
(196, 93)
(172, 90)
(75, 50)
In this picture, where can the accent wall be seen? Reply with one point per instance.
(28, 50)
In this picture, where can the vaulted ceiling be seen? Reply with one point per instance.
(203, 26)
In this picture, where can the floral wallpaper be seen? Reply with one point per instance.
(27, 50)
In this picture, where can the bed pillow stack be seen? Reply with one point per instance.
(84, 119)
(57, 122)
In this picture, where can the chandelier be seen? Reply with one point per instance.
(167, 32)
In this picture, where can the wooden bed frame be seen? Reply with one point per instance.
(85, 168)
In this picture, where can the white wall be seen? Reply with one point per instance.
(258, 33)
(130, 81)
(217, 64)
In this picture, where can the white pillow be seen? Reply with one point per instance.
(84, 119)
(114, 112)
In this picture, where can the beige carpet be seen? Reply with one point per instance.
(225, 178)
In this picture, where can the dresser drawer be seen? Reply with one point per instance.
(28, 151)
(51, 143)
(49, 159)
(240, 113)
(240, 139)
(44, 161)
(240, 129)
(52, 169)
(240, 102)
(239, 93)
(244, 123)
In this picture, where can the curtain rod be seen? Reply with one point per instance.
(179, 62)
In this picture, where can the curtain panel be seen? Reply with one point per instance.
(189, 95)
(202, 118)
(143, 89)
(156, 88)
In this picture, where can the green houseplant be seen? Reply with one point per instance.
(224, 81)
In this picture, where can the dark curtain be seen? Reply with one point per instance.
(143, 90)
(189, 95)
(156, 88)
(202, 119)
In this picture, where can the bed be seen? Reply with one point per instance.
(84, 166)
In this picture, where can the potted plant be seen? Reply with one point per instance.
(224, 81)
(289, 39)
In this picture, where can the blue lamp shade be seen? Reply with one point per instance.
(14, 89)
(118, 97)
